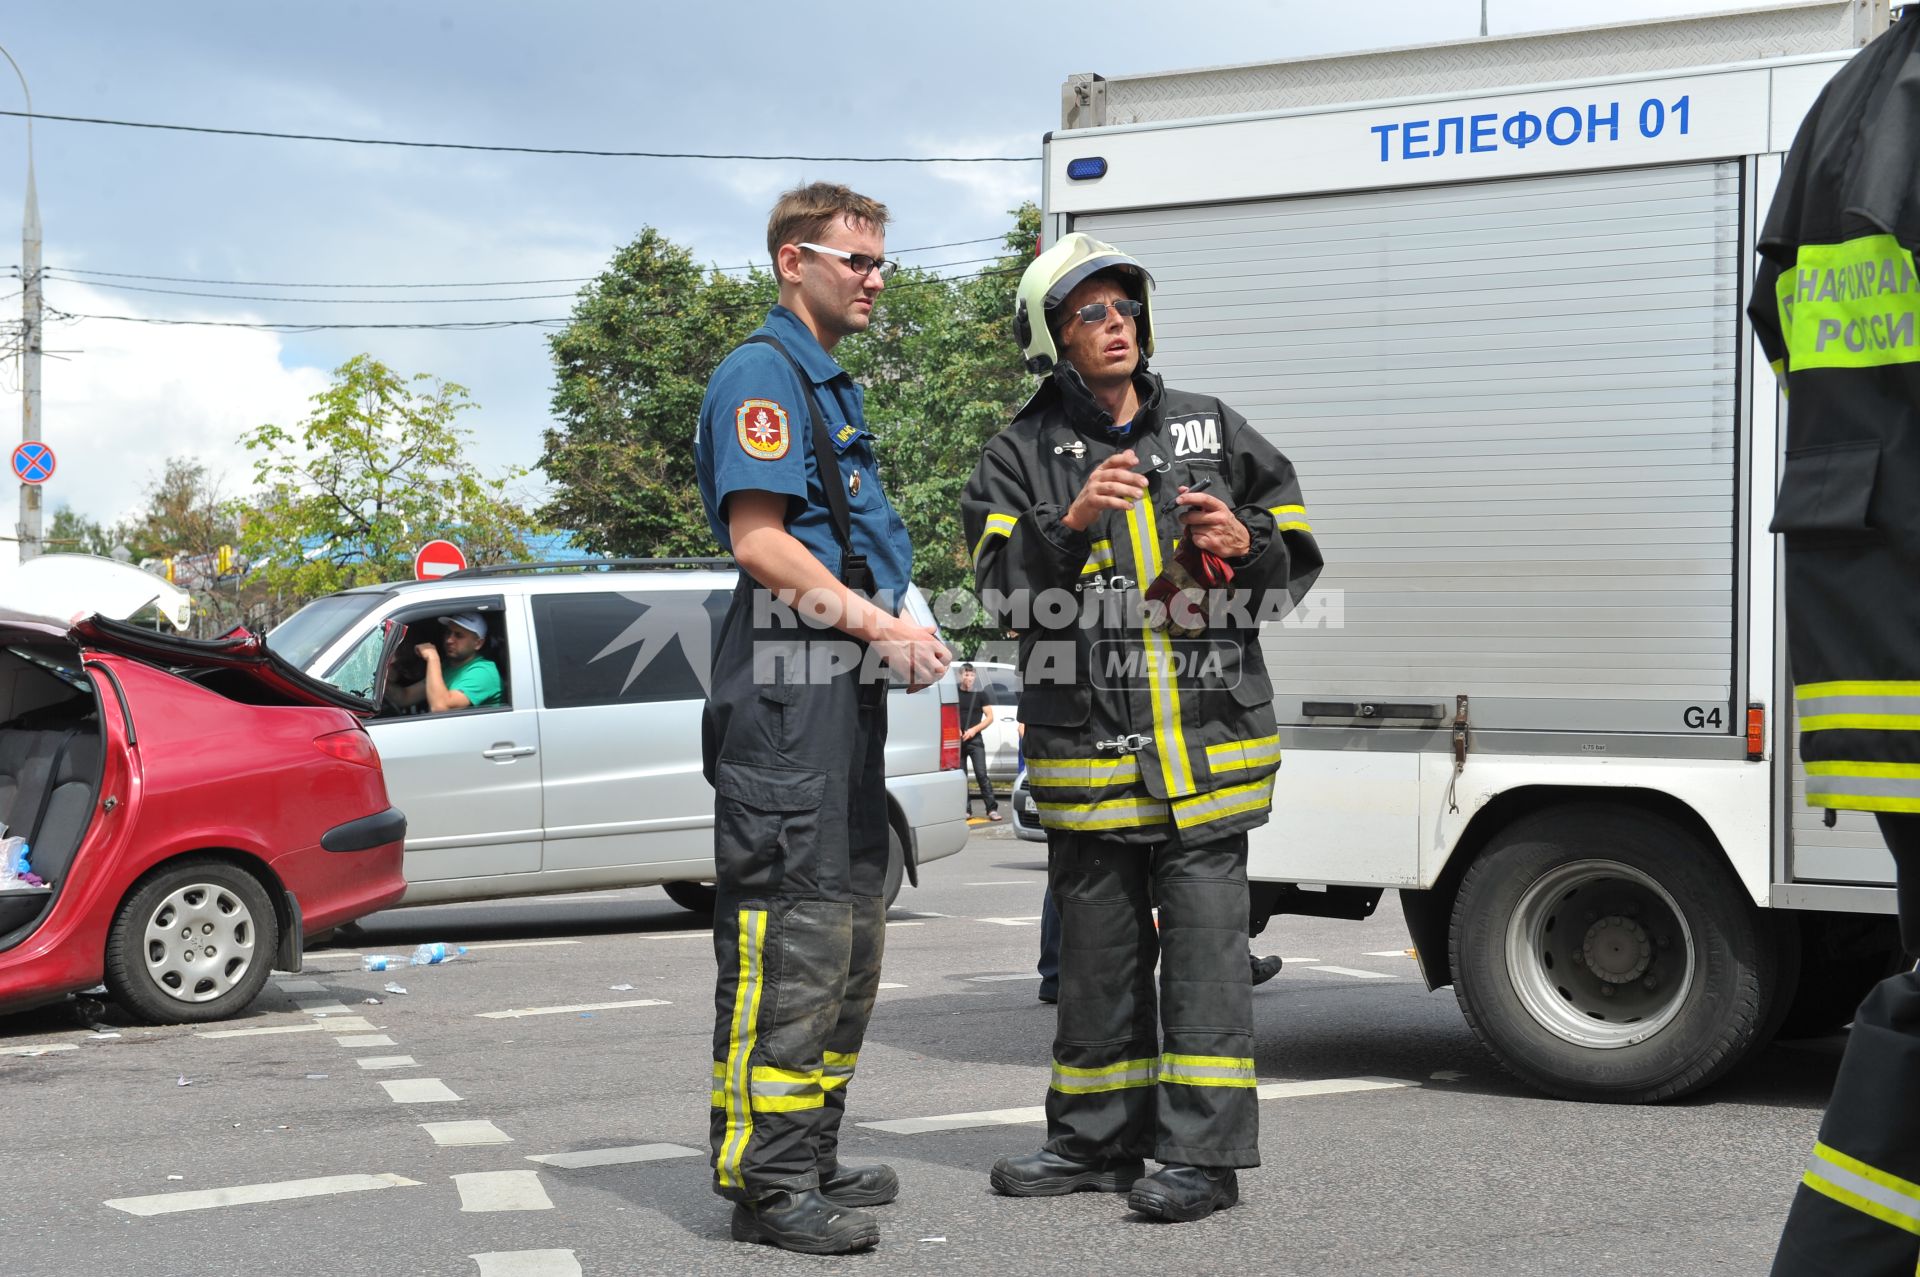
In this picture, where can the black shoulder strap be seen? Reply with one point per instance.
(824, 457)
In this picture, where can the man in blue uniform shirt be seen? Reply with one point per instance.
(795, 731)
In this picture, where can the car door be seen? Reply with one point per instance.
(468, 780)
(622, 682)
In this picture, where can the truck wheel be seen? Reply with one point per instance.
(194, 942)
(697, 896)
(1843, 957)
(1605, 954)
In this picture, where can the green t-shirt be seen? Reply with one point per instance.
(478, 679)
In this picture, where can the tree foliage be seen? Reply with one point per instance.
(377, 468)
(939, 365)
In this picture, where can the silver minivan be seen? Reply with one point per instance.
(587, 775)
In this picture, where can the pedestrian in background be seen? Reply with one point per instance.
(976, 715)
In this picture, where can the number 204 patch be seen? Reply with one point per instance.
(1201, 434)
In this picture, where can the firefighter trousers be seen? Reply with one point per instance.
(795, 751)
(1857, 1211)
(1169, 1078)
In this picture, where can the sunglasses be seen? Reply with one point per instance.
(1094, 312)
(859, 263)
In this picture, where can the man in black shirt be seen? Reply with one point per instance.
(975, 715)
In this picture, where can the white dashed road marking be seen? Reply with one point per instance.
(517, 944)
(246, 1194)
(1006, 882)
(259, 1033)
(502, 1190)
(364, 1039)
(616, 1156)
(1038, 1113)
(465, 1134)
(584, 1006)
(527, 1263)
(1390, 953)
(301, 986)
(42, 1048)
(344, 1024)
(892, 986)
(323, 1008)
(419, 1090)
(991, 979)
(1011, 922)
(385, 1061)
(1357, 974)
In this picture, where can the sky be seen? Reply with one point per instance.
(121, 397)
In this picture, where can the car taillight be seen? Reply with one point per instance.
(950, 738)
(352, 745)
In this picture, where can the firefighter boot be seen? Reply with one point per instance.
(1182, 1194)
(803, 1220)
(1044, 1174)
(1264, 969)
(859, 1185)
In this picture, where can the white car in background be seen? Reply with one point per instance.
(1002, 737)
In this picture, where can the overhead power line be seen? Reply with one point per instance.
(529, 150)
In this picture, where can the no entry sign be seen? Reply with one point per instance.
(436, 559)
(33, 462)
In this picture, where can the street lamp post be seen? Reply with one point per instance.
(28, 530)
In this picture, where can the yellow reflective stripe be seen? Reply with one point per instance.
(1867, 1189)
(787, 1103)
(998, 525)
(793, 1077)
(1164, 695)
(1099, 558)
(1861, 722)
(1222, 803)
(839, 1059)
(1854, 687)
(1850, 305)
(1898, 771)
(1114, 813)
(837, 1068)
(1207, 1070)
(1121, 1076)
(1282, 523)
(743, 1035)
(1089, 773)
(1861, 802)
(1237, 755)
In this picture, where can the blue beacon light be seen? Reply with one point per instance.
(1086, 168)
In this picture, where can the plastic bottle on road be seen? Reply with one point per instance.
(379, 961)
(428, 955)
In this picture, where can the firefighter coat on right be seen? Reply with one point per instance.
(1836, 305)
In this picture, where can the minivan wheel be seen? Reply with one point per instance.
(697, 896)
(1603, 953)
(194, 942)
(896, 865)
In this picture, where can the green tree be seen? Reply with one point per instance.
(378, 467)
(939, 364)
(71, 532)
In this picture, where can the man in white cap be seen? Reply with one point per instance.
(458, 677)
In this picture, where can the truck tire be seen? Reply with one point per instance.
(1842, 957)
(697, 896)
(1603, 953)
(193, 942)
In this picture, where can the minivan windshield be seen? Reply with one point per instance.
(308, 632)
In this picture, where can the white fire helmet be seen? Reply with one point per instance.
(1057, 272)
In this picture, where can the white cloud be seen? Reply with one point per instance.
(129, 396)
(989, 190)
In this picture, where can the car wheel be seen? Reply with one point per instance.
(697, 896)
(896, 865)
(1606, 954)
(194, 942)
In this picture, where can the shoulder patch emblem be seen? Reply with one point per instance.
(762, 427)
(845, 434)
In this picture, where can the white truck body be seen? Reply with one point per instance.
(1489, 297)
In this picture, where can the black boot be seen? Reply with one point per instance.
(1045, 1174)
(1182, 1194)
(859, 1185)
(805, 1221)
(1264, 969)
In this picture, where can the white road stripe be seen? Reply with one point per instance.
(1300, 959)
(990, 979)
(903, 924)
(464, 1134)
(1362, 975)
(616, 1156)
(1038, 1113)
(301, 986)
(42, 1048)
(246, 1194)
(345, 1024)
(260, 1033)
(385, 1061)
(1004, 882)
(323, 1008)
(1390, 953)
(1011, 922)
(502, 1190)
(527, 1263)
(364, 1039)
(583, 1006)
(676, 935)
(518, 944)
(419, 1090)
(892, 986)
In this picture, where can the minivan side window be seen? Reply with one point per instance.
(626, 648)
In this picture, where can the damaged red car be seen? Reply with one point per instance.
(190, 811)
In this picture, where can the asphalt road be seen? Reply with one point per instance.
(1419, 1156)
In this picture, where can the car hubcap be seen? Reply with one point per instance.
(199, 943)
(1599, 954)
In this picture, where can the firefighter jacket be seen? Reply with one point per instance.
(1132, 732)
(1836, 304)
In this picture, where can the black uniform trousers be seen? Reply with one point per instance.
(974, 752)
(795, 749)
(1857, 1211)
(1172, 1078)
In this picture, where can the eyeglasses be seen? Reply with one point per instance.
(1094, 312)
(859, 263)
